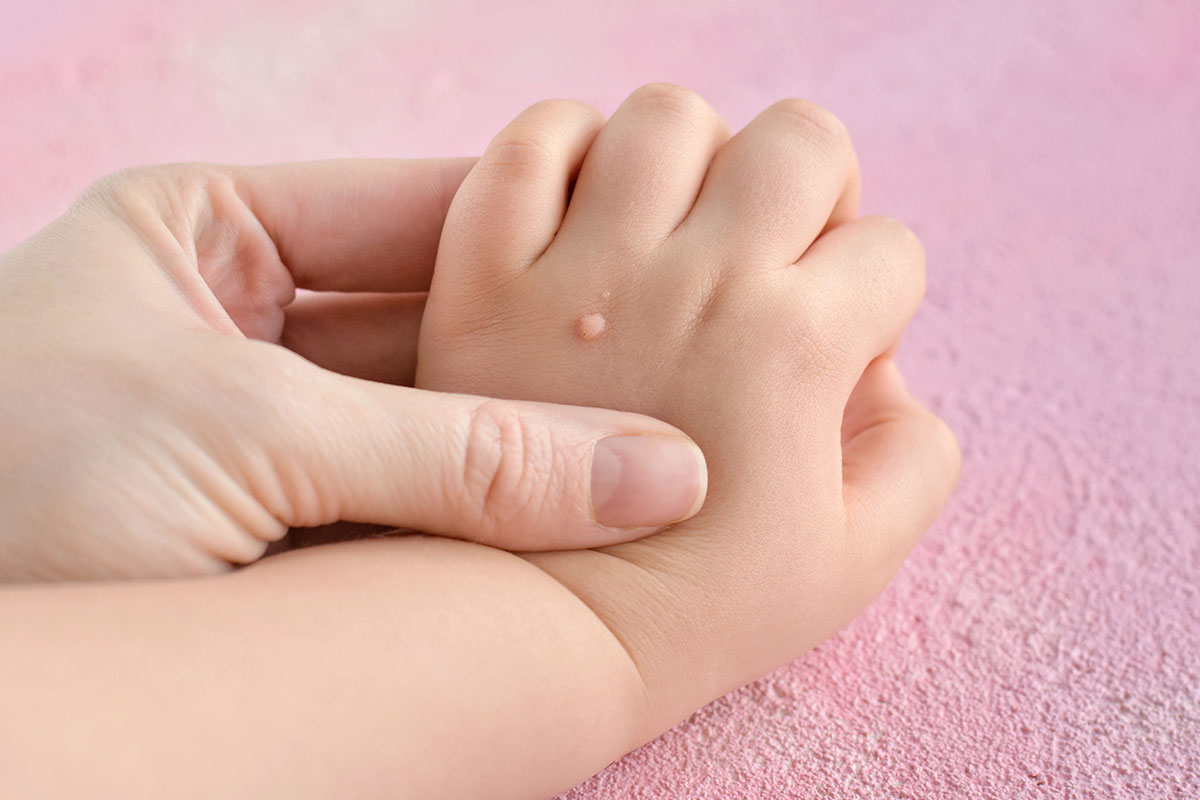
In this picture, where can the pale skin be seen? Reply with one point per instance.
(722, 285)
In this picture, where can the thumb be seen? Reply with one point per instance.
(900, 464)
(515, 475)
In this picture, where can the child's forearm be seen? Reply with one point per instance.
(408, 667)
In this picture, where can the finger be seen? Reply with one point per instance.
(790, 174)
(363, 335)
(648, 162)
(899, 465)
(867, 278)
(522, 476)
(354, 225)
(514, 199)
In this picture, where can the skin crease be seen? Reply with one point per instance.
(424, 667)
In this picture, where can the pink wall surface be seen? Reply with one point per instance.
(1043, 640)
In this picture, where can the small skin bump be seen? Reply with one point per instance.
(590, 326)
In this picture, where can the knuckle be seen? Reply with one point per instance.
(504, 463)
(115, 193)
(178, 195)
(901, 239)
(125, 180)
(671, 100)
(138, 182)
(527, 152)
(812, 122)
(903, 256)
(561, 110)
(537, 144)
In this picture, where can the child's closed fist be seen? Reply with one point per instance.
(654, 264)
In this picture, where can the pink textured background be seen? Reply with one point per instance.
(1043, 640)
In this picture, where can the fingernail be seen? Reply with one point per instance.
(646, 481)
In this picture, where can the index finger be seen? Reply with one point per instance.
(355, 225)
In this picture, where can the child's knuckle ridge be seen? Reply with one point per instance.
(813, 123)
(669, 100)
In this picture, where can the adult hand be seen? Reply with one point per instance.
(170, 404)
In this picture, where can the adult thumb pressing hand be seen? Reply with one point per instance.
(170, 404)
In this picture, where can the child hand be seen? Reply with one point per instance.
(653, 264)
